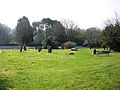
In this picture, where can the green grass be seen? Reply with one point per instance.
(32, 70)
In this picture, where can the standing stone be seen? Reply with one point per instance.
(36, 47)
(49, 49)
(24, 47)
(62, 46)
(94, 51)
(20, 48)
(39, 48)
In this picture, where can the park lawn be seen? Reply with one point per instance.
(32, 70)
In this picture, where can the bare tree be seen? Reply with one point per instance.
(73, 32)
(68, 24)
(92, 36)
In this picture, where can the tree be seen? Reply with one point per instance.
(59, 32)
(107, 36)
(70, 28)
(73, 33)
(49, 30)
(5, 34)
(92, 36)
(13, 36)
(55, 32)
(111, 34)
(38, 33)
(24, 32)
(47, 24)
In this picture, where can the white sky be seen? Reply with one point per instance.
(85, 13)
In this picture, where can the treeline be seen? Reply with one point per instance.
(5, 34)
(55, 33)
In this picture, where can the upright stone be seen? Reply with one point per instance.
(94, 51)
(49, 49)
(39, 48)
(20, 48)
(24, 47)
(62, 46)
(36, 46)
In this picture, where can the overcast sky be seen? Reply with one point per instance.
(85, 13)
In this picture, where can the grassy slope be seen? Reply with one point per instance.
(32, 70)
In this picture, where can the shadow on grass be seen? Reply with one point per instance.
(6, 83)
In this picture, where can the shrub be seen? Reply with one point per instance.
(69, 44)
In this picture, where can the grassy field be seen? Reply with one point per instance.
(32, 70)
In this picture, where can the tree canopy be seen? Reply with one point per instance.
(5, 34)
(24, 32)
(56, 33)
(111, 34)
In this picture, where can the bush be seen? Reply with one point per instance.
(69, 44)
